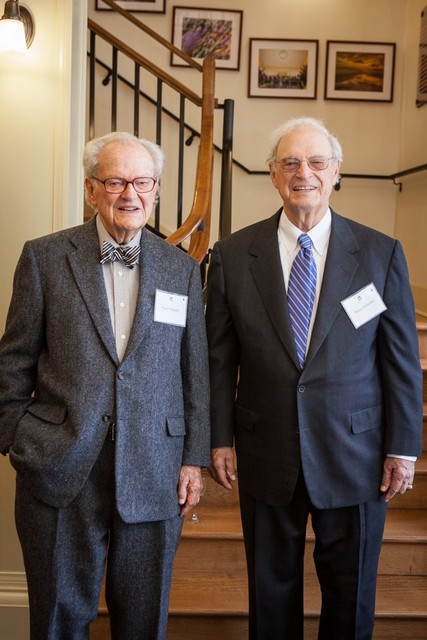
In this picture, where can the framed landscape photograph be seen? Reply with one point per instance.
(283, 68)
(359, 71)
(142, 6)
(207, 32)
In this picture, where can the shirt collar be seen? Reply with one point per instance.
(104, 235)
(319, 234)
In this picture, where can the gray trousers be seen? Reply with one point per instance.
(65, 552)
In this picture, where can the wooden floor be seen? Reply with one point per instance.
(209, 588)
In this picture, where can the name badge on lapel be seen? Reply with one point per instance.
(364, 305)
(170, 308)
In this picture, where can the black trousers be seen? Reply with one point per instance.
(347, 547)
(65, 552)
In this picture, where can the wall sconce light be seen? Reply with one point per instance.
(16, 28)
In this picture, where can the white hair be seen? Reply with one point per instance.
(95, 146)
(302, 123)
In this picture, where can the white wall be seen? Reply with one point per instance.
(369, 132)
(411, 212)
(377, 138)
(42, 109)
(42, 136)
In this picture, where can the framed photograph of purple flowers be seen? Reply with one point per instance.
(207, 32)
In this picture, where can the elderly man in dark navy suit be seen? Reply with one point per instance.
(316, 380)
(104, 404)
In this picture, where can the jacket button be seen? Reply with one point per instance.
(301, 388)
(106, 418)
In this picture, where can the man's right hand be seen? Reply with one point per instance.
(222, 467)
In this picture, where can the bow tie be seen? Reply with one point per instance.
(128, 255)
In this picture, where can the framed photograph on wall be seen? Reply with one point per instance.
(283, 68)
(141, 6)
(207, 32)
(359, 71)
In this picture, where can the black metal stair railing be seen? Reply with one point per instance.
(192, 227)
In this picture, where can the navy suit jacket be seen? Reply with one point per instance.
(62, 385)
(359, 395)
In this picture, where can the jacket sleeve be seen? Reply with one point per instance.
(195, 375)
(20, 346)
(400, 362)
(224, 354)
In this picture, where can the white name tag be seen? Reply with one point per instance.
(364, 305)
(170, 308)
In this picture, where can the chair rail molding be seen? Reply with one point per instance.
(13, 589)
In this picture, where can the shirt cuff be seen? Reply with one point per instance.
(411, 458)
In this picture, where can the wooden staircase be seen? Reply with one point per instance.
(209, 589)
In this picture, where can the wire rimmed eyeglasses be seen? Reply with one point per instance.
(119, 185)
(315, 163)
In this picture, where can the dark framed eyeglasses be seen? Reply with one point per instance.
(119, 185)
(315, 163)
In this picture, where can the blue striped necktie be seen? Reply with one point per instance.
(128, 255)
(301, 294)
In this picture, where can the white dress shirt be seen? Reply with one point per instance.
(288, 235)
(121, 284)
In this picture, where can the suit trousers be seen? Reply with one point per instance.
(346, 552)
(65, 551)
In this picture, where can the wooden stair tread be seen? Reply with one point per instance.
(406, 525)
(209, 593)
(217, 593)
(213, 521)
(421, 467)
(402, 525)
(403, 596)
(397, 597)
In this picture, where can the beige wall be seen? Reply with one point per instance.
(42, 122)
(411, 210)
(378, 138)
(42, 134)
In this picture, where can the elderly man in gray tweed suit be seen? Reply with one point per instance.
(104, 406)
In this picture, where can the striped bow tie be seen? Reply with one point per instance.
(128, 255)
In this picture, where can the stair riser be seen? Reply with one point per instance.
(385, 629)
(210, 555)
(422, 341)
(217, 555)
(395, 559)
(212, 628)
(236, 628)
(415, 499)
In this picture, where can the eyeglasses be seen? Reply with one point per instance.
(315, 163)
(119, 185)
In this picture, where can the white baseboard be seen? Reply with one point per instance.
(13, 589)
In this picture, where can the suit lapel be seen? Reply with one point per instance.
(151, 267)
(87, 272)
(340, 268)
(268, 276)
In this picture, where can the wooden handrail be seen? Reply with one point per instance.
(197, 224)
(200, 210)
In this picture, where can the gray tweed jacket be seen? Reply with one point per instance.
(62, 385)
